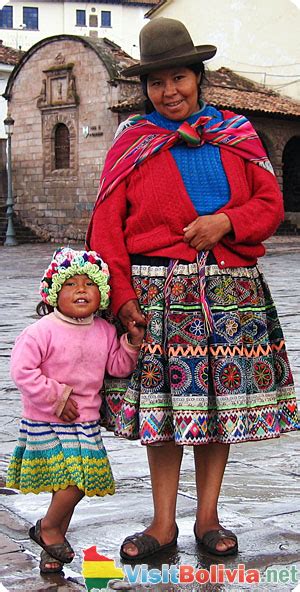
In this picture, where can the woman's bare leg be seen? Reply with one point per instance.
(164, 462)
(210, 463)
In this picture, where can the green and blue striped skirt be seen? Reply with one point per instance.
(53, 456)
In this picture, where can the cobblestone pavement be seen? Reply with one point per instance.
(260, 494)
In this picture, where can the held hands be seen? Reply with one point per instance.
(206, 231)
(133, 320)
(135, 332)
(70, 412)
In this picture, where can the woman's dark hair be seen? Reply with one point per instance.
(43, 309)
(196, 68)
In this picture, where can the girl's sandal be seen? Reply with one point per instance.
(46, 561)
(63, 552)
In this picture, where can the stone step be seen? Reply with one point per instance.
(287, 228)
(23, 233)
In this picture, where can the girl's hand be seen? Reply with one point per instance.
(206, 231)
(70, 412)
(136, 333)
(130, 311)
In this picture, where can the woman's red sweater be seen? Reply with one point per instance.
(146, 214)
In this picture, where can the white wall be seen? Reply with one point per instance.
(257, 38)
(50, 23)
(60, 17)
(4, 75)
(126, 23)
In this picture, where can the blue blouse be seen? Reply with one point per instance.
(201, 168)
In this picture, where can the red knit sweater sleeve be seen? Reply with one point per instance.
(257, 219)
(106, 236)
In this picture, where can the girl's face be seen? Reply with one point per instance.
(79, 297)
(174, 92)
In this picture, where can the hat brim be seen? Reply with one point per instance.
(200, 54)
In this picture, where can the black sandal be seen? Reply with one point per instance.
(45, 560)
(146, 545)
(211, 538)
(60, 552)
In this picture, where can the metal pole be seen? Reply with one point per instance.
(10, 240)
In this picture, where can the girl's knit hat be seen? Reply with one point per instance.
(67, 262)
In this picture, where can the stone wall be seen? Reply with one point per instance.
(276, 133)
(57, 203)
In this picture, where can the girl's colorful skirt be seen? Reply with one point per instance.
(52, 456)
(231, 383)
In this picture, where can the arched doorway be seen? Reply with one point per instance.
(291, 175)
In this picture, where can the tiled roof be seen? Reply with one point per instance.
(226, 90)
(9, 56)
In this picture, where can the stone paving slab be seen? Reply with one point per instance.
(260, 494)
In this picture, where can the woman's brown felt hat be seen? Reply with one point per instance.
(166, 43)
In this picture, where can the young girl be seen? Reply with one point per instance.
(58, 363)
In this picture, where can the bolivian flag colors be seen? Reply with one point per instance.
(98, 570)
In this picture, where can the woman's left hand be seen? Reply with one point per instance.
(206, 231)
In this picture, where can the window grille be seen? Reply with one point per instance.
(105, 18)
(62, 147)
(80, 18)
(31, 17)
(6, 17)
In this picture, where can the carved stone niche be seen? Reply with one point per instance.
(50, 120)
(58, 88)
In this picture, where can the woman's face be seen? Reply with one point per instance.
(174, 92)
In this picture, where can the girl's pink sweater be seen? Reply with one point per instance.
(53, 359)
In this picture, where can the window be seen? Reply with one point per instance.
(6, 17)
(62, 147)
(93, 20)
(105, 18)
(31, 17)
(80, 18)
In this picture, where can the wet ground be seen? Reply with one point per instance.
(260, 494)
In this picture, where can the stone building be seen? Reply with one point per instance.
(59, 96)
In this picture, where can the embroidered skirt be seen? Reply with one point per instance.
(230, 384)
(52, 456)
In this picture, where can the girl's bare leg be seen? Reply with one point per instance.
(56, 521)
(210, 463)
(164, 462)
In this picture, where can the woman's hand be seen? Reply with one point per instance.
(206, 231)
(69, 412)
(130, 311)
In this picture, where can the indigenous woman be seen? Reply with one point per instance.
(187, 196)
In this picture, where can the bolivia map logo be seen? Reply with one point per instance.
(98, 570)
